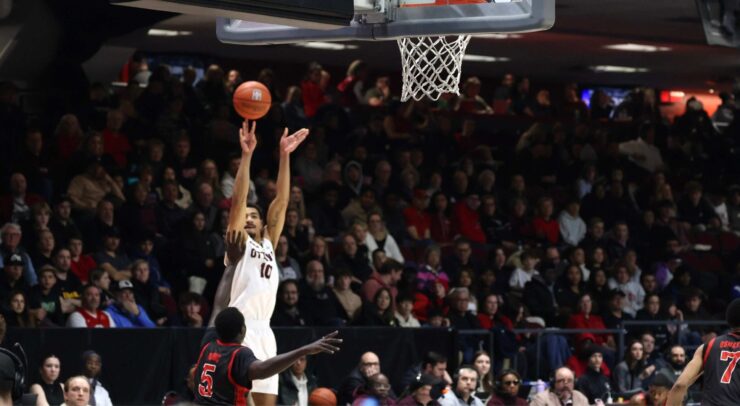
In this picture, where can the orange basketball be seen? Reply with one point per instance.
(252, 100)
(322, 397)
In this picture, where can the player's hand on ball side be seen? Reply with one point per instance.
(329, 343)
(248, 137)
(289, 143)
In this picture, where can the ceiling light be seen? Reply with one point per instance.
(630, 47)
(156, 32)
(500, 36)
(617, 69)
(330, 46)
(484, 58)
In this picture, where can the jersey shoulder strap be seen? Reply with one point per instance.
(707, 350)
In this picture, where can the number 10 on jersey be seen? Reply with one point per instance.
(265, 270)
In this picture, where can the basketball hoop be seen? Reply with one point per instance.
(431, 65)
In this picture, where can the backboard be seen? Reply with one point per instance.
(395, 19)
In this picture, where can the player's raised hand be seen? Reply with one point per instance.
(328, 343)
(248, 137)
(289, 143)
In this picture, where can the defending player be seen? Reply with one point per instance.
(717, 360)
(251, 278)
(225, 369)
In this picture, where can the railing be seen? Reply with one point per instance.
(620, 334)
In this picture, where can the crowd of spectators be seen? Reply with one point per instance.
(501, 208)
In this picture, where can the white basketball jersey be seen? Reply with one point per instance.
(256, 279)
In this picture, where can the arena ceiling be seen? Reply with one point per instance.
(582, 30)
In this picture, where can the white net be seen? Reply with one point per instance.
(431, 65)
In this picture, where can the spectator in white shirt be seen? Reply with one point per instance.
(403, 312)
(92, 364)
(572, 226)
(89, 314)
(635, 294)
(296, 384)
(524, 274)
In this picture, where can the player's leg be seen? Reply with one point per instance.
(264, 399)
(264, 392)
(223, 293)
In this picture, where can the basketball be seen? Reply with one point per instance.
(322, 397)
(252, 100)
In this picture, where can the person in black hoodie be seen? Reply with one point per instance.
(539, 299)
(146, 294)
(593, 383)
(287, 312)
(326, 214)
(317, 298)
(353, 257)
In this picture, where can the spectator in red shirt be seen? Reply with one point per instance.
(545, 227)
(441, 226)
(467, 219)
(489, 315)
(584, 319)
(114, 142)
(68, 135)
(82, 265)
(313, 94)
(418, 221)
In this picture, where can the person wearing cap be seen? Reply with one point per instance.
(110, 259)
(418, 221)
(92, 364)
(124, 311)
(12, 278)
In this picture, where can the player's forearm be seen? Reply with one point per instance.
(276, 364)
(241, 190)
(283, 180)
(676, 395)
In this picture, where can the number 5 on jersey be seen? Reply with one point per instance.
(205, 388)
(733, 357)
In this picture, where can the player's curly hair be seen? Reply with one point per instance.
(229, 324)
(733, 314)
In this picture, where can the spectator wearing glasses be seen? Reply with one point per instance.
(369, 365)
(506, 391)
(561, 391)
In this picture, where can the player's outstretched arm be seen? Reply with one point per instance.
(235, 242)
(238, 212)
(690, 374)
(278, 207)
(279, 363)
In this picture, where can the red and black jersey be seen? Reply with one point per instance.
(721, 382)
(222, 374)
